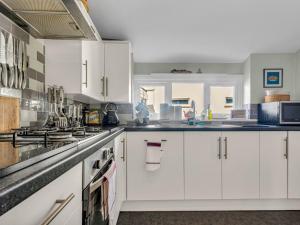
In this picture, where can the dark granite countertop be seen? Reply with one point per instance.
(18, 186)
(211, 127)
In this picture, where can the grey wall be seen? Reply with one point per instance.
(297, 76)
(259, 62)
(148, 68)
(32, 98)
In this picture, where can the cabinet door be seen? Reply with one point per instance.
(240, 165)
(117, 72)
(93, 69)
(120, 158)
(38, 206)
(202, 156)
(293, 164)
(273, 165)
(166, 183)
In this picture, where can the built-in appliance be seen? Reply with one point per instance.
(51, 19)
(24, 147)
(279, 113)
(94, 167)
(110, 117)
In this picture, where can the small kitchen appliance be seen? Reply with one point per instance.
(110, 117)
(279, 113)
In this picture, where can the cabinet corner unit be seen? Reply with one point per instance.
(90, 71)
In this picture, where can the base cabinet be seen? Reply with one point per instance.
(293, 164)
(166, 183)
(222, 165)
(202, 162)
(120, 159)
(240, 165)
(35, 209)
(273, 165)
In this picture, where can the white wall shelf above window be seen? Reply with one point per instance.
(222, 91)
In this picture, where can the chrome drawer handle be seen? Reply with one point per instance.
(62, 204)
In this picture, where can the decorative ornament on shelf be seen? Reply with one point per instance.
(180, 71)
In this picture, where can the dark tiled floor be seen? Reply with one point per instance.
(211, 218)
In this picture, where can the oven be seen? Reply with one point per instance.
(95, 210)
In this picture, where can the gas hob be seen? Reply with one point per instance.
(23, 147)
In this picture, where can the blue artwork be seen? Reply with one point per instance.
(273, 78)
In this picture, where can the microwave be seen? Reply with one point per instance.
(279, 113)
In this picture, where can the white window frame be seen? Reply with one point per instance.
(166, 80)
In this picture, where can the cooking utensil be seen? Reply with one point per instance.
(16, 83)
(4, 75)
(24, 65)
(19, 65)
(15, 62)
(10, 60)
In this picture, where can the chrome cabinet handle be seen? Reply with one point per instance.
(220, 148)
(286, 155)
(106, 86)
(226, 153)
(86, 73)
(103, 86)
(163, 140)
(62, 204)
(123, 154)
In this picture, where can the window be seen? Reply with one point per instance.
(153, 96)
(184, 93)
(221, 99)
(169, 96)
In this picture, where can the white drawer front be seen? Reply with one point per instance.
(37, 207)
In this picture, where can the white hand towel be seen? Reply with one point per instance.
(110, 175)
(153, 156)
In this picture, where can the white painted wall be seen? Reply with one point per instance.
(297, 77)
(247, 81)
(258, 62)
(223, 68)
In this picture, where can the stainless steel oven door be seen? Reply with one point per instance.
(93, 197)
(289, 113)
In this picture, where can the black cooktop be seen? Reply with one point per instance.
(23, 147)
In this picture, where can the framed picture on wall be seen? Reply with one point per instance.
(273, 78)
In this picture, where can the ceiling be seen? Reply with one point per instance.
(194, 31)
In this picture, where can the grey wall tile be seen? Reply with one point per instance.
(20, 33)
(5, 23)
(40, 57)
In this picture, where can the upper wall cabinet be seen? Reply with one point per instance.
(78, 66)
(90, 71)
(118, 70)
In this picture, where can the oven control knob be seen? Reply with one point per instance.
(111, 151)
(97, 164)
(105, 154)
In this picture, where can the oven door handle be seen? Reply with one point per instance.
(96, 184)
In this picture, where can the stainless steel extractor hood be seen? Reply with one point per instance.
(52, 19)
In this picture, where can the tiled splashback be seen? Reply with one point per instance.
(32, 98)
(125, 111)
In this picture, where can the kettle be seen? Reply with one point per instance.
(110, 117)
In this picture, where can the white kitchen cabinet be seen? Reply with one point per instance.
(273, 165)
(293, 164)
(202, 160)
(120, 158)
(240, 165)
(38, 206)
(166, 183)
(78, 66)
(118, 70)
